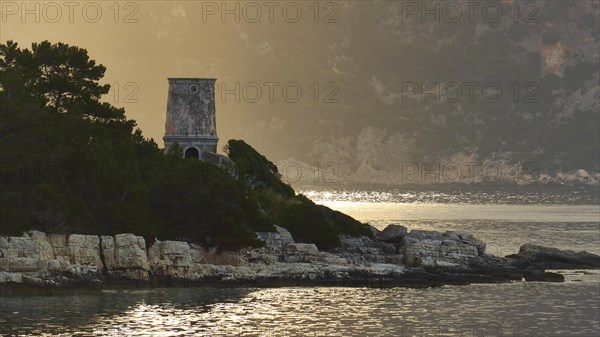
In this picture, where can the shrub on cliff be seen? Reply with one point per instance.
(306, 221)
(256, 168)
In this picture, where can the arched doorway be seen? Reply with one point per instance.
(192, 152)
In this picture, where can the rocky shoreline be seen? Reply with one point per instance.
(394, 257)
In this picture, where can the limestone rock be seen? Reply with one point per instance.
(24, 254)
(172, 258)
(302, 248)
(431, 248)
(329, 258)
(129, 253)
(393, 233)
(43, 245)
(467, 238)
(10, 277)
(85, 250)
(176, 252)
(361, 250)
(107, 246)
(286, 236)
(24, 246)
(300, 252)
(24, 264)
(196, 253)
(213, 256)
(276, 240)
(39, 259)
(61, 265)
(555, 258)
(59, 244)
(125, 256)
(359, 245)
(262, 256)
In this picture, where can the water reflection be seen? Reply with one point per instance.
(87, 311)
(437, 211)
(477, 195)
(519, 309)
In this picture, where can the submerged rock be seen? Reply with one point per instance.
(542, 276)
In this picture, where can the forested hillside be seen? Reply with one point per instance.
(72, 164)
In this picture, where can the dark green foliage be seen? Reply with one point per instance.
(60, 77)
(307, 223)
(344, 223)
(317, 224)
(256, 168)
(74, 165)
(202, 201)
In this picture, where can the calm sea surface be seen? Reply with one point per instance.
(568, 220)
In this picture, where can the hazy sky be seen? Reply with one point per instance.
(328, 80)
(153, 40)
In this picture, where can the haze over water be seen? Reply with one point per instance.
(504, 220)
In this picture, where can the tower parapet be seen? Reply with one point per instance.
(191, 116)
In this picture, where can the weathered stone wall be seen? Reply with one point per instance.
(191, 107)
(191, 114)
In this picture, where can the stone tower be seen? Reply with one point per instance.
(191, 120)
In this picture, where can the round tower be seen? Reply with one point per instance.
(191, 116)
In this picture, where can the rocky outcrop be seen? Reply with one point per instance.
(360, 250)
(430, 248)
(125, 256)
(24, 254)
(172, 258)
(393, 233)
(552, 258)
(84, 250)
(395, 257)
(279, 239)
(300, 252)
(37, 258)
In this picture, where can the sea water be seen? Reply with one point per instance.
(569, 220)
